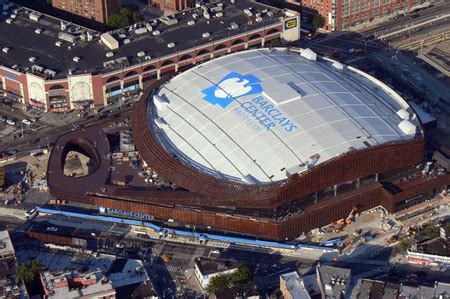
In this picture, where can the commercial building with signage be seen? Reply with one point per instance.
(265, 142)
(61, 66)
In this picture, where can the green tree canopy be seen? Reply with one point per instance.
(318, 21)
(123, 18)
(218, 283)
(404, 245)
(29, 271)
(242, 275)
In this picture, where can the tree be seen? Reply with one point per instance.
(318, 21)
(29, 271)
(123, 18)
(117, 21)
(218, 283)
(242, 275)
(404, 245)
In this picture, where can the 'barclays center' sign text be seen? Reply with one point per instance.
(115, 212)
(234, 86)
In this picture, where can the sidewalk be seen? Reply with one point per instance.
(13, 213)
(192, 281)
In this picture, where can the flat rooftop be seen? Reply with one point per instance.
(6, 246)
(22, 40)
(262, 115)
(208, 266)
(334, 280)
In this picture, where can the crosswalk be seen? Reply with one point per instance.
(162, 267)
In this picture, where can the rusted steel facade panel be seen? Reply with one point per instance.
(356, 164)
(67, 241)
(332, 210)
(420, 188)
(255, 227)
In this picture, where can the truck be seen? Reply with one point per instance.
(38, 152)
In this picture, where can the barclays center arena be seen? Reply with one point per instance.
(267, 143)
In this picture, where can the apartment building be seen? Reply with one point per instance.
(342, 14)
(98, 10)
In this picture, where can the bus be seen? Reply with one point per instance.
(31, 213)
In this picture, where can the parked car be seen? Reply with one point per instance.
(35, 141)
(11, 122)
(26, 121)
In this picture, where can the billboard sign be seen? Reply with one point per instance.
(289, 24)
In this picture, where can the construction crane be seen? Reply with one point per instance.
(341, 223)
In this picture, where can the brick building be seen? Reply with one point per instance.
(343, 14)
(98, 10)
(172, 5)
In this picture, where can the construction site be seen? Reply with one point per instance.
(376, 227)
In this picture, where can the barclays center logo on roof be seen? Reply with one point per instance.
(232, 87)
(258, 109)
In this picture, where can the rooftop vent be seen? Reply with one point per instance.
(76, 59)
(13, 16)
(38, 31)
(248, 12)
(206, 35)
(160, 103)
(216, 9)
(5, 50)
(149, 27)
(170, 45)
(169, 20)
(309, 54)
(191, 22)
(148, 57)
(37, 68)
(141, 30)
(109, 41)
(67, 37)
(140, 54)
(161, 123)
(34, 17)
(337, 65)
(50, 72)
(109, 54)
(109, 63)
(9, 21)
(234, 26)
(407, 127)
(296, 169)
(403, 114)
(123, 60)
(58, 44)
(32, 59)
(249, 179)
